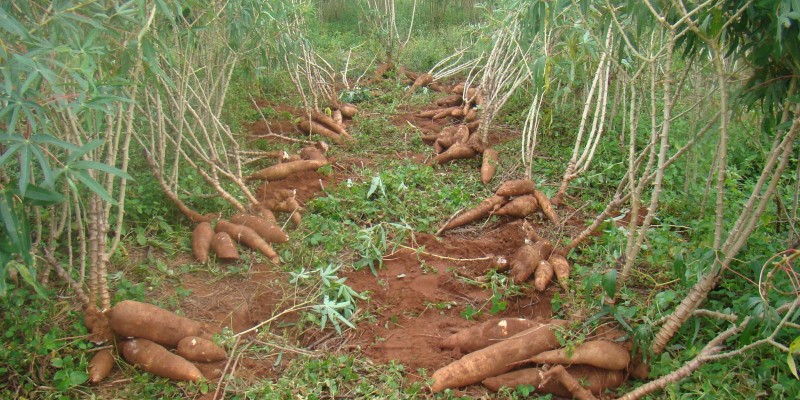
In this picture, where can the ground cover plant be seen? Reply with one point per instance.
(399, 199)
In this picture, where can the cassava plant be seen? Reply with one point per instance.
(67, 119)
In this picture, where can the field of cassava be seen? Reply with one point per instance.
(327, 199)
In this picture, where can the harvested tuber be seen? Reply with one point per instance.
(282, 170)
(546, 207)
(457, 151)
(480, 211)
(212, 370)
(316, 152)
(576, 390)
(543, 275)
(449, 101)
(195, 348)
(517, 187)
(249, 238)
(289, 205)
(528, 376)
(527, 258)
(497, 358)
(487, 333)
(596, 380)
(337, 117)
(561, 269)
(311, 127)
(100, 365)
(142, 320)
(330, 123)
(267, 214)
(348, 110)
(431, 113)
(446, 112)
(224, 247)
(201, 241)
(519, 207)
(489, 165)
(270, 232)
(471, 115)
(422, 80)
(596, 353)
(499, 264)
(155, 359)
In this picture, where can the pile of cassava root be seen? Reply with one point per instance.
(259, 229)
(460, 141)
(331, 127)
(511, 352)
(146, 331)
(537, 258)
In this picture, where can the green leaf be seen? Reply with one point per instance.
(9, 152)
(84, 165)
(44, 138)
(13, 228)
(83, 150)
(792, 366)
(94, 186)
(794, 348)
(609, 283)
(11, 25)
(77, 378)
(42, 196)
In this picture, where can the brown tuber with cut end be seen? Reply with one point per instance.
(480, 211)
(519, 207)
(422, 80)
(489, 165)
(283, 170)
(270, 232)
(457, 151)
(195, 348)
(527, 258)
(546, 207)
(100, 366)
(499, 264)
(249, 238)
(561, 269)
(142, 320)
(517, 187)
(155, 359)
(497, 358)
(543, 275)
(487, 333)
(224, 247)
(596, 353)
(201, 241)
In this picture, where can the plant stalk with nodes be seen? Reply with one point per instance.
(586, 146)
(183, 108)
(505, 69)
